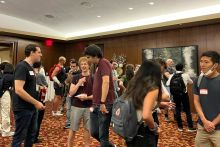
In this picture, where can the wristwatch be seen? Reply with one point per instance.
(102, 102)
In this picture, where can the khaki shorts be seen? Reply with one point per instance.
(204, 139)
(77, 114)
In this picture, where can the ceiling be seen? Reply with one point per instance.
(75, 19)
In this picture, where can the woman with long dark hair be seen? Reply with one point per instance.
(145, 90)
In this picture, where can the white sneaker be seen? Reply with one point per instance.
(59, 113)
(180, 129)
(5, 134)
(53, 113)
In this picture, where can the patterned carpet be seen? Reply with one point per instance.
(53, 135)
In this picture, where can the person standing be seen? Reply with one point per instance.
(103, 96)
(59, 77)
(180, 96)
(81, 100)
(25, 103)
(206, 100)
(5, 97)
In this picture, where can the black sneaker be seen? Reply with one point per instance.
(66, 127)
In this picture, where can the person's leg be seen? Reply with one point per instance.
(215, 138)
(57, 100)
(86, 116)
(94, 123)
(22, 122)
(5, 112)
(32, 129)
(202, 138)
(39, 121)
(76, 116)
(104, 124)
(186, 108)
(177, 101)
(71, 138)
(68, 112)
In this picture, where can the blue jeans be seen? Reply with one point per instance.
(100, 125)
(68, 110)
(25, 128)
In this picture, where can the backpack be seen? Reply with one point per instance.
(52, 69)
(1, 86)
(124, 118)
(176, 84)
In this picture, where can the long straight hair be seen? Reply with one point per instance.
(147, 78)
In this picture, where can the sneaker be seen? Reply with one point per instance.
(59, 113)
(180, 129)
(5, 134)
(66, 127)
(53, 113)
(191, 130)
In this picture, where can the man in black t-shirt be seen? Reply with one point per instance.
(25, 103)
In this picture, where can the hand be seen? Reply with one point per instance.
(82, 81)
(208, 126)
(39, 106)
(61, 85)
(159, 130)
(120, 83)
(103, 109)
(82, 97)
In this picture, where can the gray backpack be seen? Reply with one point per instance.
(124, 118)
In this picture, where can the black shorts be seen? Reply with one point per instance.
(58, 90)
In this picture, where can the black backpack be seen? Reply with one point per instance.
(124, 118)
(176, 84)
(1, 86)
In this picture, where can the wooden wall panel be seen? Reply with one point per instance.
(50, 54)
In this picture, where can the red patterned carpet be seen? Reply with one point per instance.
(53, 135)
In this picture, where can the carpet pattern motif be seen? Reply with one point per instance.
(52, 133)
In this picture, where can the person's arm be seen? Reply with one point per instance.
(149, 103)
(216, 121)
(74, 87)
(19, 90)
(209, 126)
(189, 80)
(167, 74)
(54, 74)
(165, 93)
(105, 88)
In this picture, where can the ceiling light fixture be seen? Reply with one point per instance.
(99, 16)
(2, 2)
(151, 3)
(130, 8)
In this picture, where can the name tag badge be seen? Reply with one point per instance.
(31, 73)
(204, 91)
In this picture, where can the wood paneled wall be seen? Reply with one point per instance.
(206, 37)
(50, 54)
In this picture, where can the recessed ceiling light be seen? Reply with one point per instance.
(99, 16)
(151, 3)
(2, 2)
(130, 8)
(49, 16)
